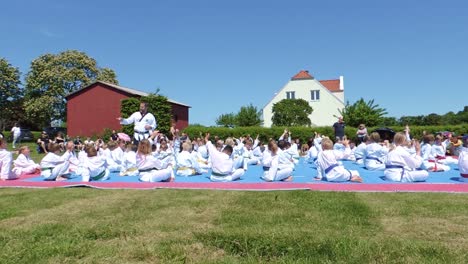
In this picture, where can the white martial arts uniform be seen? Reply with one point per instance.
(401, 166)
(329, 168)
(53, 166)
(277, 171)
(95, 169)
(438, 152)
(140, 122)
(187, 165)
(375, 156)
(360, 153)
(152, 169)
(429, 161)
(463, 164)
(6, 162)
(222, 166)
(24, 165)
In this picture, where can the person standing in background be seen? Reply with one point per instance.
(16, 132)
(339, 128)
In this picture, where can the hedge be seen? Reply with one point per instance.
(304, 133)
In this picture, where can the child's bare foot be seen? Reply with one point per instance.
(356, 178)
(317, 179)
(288, 179)
(171, 179)
(61, 178)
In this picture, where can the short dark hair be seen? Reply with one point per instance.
(228, 149)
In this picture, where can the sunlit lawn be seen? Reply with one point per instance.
(126, 226)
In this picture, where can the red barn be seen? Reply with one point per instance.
(95, 107)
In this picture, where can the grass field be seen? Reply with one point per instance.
(175, 226)
(79, 225)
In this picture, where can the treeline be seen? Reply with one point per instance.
(450, 118)
(37, 98)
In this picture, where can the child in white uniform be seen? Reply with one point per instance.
(375, 153)
(187, 165)
(274, 170)
(463, 160)
(94, 167)
(150, 168)
(401, 166)
(24, 164)
(328, 166)
(53, 166)
(6, 161)
(222, 163)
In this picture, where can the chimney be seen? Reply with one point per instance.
(341, 83)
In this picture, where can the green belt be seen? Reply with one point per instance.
(99, 176)
(219, 174)
(48, 168)
(146, 170)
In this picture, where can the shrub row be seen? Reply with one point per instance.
(304, 133)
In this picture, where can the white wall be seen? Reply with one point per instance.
(323, 110)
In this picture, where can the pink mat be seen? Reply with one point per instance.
(264, 186)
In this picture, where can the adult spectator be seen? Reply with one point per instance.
(16, 131)
(339, 128)
(362, 132)
(43, 143)
(144, 123)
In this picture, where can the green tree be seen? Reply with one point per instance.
(362, 112)
(52, 77)
(107, 75)
(291, 112)
(226, 120)
(10, 92)
(248, 116)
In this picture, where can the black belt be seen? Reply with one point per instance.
(142, 133)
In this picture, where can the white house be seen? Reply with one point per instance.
(325, 97)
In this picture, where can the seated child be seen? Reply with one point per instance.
(6, 161)
(463, 160)
(274, 168)
(150, 168)
(94, 167)
(438, 152)
(222, 163)
(129, 165)
(401, 166)
(430, 163)
(376, 153)
(328, 167)
(360, 150)
(24, 164)
(187, 165)
(53, 166)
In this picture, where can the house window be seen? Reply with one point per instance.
(290, 95)
(315, 95)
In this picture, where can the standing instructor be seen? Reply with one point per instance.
(144, 123)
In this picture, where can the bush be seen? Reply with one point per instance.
(304, 133)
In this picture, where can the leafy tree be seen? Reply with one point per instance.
(248, 116)
(107, 75)
(52, 77)
(10, 92)
(291, 112)
(362, 112)
(226, 120)
(412, 120)
(389, 121)
(432, 119)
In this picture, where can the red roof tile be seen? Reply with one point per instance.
(332, 85)
(302, 75)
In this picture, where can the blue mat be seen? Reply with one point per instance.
(303, 173)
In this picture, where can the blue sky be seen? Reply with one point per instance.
(411, 57)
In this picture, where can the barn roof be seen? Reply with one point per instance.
(123, 89)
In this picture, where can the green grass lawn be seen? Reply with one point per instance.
(79, 225)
